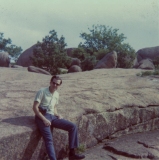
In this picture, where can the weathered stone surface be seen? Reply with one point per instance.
(74, 68)
(4, 59)
(76, 61)
(108, 61)
(143, 146)
(16, 66)
(24, 58)
(37, 70)
(149, 52)
(146, 64)
(103, 103)
(146, 53)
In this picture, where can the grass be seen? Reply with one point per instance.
(148, 73)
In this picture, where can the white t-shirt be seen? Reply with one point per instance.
(47, 100)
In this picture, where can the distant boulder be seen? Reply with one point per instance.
(37, 70)
(108, 61)
(76, 61)
(24, 58)
(74, 68)
(16, 66)
(146, 53)
(146, 64)
(4, 59)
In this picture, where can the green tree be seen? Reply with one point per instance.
(107, 39)
(50, 55)
(7, 46)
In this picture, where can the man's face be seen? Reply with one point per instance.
(55, 84)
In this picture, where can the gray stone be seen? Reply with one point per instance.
(108, 61)
(149, 52)
(146, 64)
(37, 70)
(4, 59)
(24, 58)
(74, 68)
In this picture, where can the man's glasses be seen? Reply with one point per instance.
(56, 84)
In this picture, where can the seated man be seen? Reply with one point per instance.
(46, 116)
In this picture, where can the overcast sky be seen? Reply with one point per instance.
(28, 21)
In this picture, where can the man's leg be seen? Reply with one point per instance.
(70, 127)
(47, 136)
(73, 137)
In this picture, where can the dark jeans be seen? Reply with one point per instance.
(56, 123)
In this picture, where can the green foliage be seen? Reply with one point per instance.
(49, 54)
(148, 73)
(80, 53)
(102, 40)
(89, 63)
(7, 46)
(81, 148)
(101, 53)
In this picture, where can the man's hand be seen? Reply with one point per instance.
(47, 122)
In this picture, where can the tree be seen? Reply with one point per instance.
(107, 39)
(7, 46)
(50, 55)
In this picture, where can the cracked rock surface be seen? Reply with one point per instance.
(103, 103)
(143, 146)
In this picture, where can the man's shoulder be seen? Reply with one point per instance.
(45, 89)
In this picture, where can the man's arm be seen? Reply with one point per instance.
(38, 113)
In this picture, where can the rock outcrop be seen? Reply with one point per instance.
(104, 104)
(76, 61)
(146, 53)
(74, 68)
(24, 58)
(128, 147)
(37, 70)
(108, 61)
(4, 59)
(146, 64)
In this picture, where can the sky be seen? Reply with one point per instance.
(28, 21)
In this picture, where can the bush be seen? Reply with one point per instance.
(89, 63)
(148, 73)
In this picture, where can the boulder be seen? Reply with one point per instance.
(76, 61)
(74, 68)
(146, 53)
(24, 58)
(4, 59)
(16, 66)
(108, 61)
(37, 70)
(146, 64)
(104, 104)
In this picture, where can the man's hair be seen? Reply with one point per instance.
(56, 77)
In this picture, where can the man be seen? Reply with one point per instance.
(46, 116)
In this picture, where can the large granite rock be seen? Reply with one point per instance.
(74, 68)
(108, 61)
(24, 58)
(4, 59)
(143, 146)
(103, 103)
(146, 53)
(146, 64)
